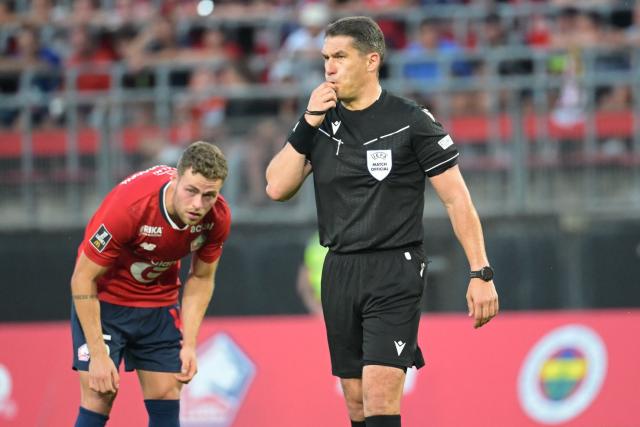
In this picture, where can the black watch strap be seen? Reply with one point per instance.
(485, 273)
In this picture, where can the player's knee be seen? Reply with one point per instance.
(97, 402)
(165, 393)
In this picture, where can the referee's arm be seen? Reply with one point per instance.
(482, 298)
(286, 173)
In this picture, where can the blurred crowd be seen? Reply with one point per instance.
(234, 45)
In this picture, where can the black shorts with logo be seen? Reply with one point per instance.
(371, 306)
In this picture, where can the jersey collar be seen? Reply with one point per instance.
(376, 104)
(163, 208)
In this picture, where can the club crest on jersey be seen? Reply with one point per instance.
(101, 238)
(150, 231)
(379, 163)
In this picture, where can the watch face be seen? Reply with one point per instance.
(487, 273)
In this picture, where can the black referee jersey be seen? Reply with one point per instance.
(369, 171)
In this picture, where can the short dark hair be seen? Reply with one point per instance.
(203, 158)
(367, 35)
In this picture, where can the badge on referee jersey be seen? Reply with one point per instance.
(379, 163)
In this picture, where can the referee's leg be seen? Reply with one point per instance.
(352, 390)
(382, 388)
(376, 397)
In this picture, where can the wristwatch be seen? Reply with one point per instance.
(485, 273)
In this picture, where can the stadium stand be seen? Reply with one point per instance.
(541, 96)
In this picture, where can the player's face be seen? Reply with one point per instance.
(346, 66)
(194, 196)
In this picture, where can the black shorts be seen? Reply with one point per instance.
(147, 338)
(371, 306)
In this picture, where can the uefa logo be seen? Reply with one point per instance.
(562, 374)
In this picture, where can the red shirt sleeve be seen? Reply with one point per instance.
(212, 249)
(108, 231)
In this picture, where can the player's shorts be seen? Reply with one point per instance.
(147, 338)
(371, 306)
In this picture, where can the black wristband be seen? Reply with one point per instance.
(301, 137)
(316, 113)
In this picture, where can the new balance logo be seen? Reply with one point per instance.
(147, 246)
(335, 126)
(399, 346)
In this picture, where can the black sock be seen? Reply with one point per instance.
(383, 421)
(163, 413)
(87, 418)
(358, 424)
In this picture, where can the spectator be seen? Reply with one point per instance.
(40, 13)
(6, 14)
(213, 45)
(538, 35)
(425, 52)
(301, 47)
(90, 58)
(495, 36)
(84, 11)
(155, 43)
(30, 56)
(197, 112)
(633, 32)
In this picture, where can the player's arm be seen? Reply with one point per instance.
(103, 376)
(482, 298)
(197, 293)
(288, 169)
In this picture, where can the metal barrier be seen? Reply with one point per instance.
(541, 143)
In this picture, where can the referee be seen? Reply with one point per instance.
(370, 151)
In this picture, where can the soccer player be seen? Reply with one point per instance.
(370, 152)
(125, 283)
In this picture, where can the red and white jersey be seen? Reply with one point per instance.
(133, 235)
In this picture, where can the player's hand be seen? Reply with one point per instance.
(189, 365)
(103, 374)
(482, 301)
(323, 98)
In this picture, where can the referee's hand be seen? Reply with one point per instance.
(323, 98)
(482, 301)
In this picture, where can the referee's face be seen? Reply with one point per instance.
(346, 67)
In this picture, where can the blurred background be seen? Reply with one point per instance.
(541, 97)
